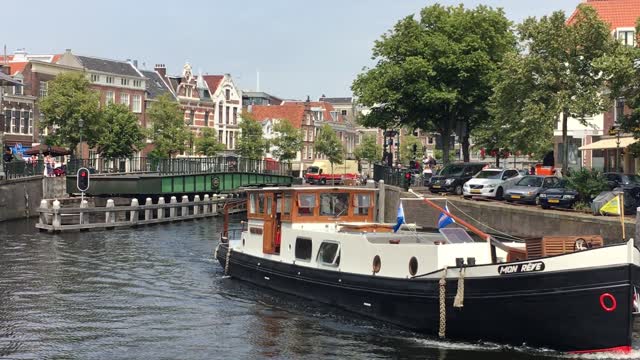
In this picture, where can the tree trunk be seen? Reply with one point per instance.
(465, 147)
(498, 159)
(333, 178)
(565, 145)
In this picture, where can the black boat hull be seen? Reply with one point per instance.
(570, 311)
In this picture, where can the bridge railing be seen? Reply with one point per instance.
(187, 165)
(21, 168)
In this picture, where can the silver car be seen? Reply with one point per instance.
(490, 183)
(528, 188)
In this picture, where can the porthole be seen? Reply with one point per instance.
(413, 266)
(376, 264)
(242, 242)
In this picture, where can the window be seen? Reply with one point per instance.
(220, 118)
(306, 204)
(17, 90)
(24, 125)
(15, 120)
(227, 94)
(192, 117)
(137, 83)
(310, 152)
(329, 253)
(235, 115)
(304, 152)
(188, 92)
(44, 87)
(334, 204)
(220, 134)
(124, 81)
(206, 118)
(137, 103)
(95, 78)
(253, 198)
(287, 204)
(260, 203)
(304, 133)
(627, 37)
(344, 112)
(269, 205)
(124, 99)
(7, 120)
(110, 97)
(226, 114)
(362, 202)
(109, 79)
(303, 248)
(30, 122)
(430, 140)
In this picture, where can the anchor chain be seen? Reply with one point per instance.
(458, 301)
(226, 265)
(443, 305)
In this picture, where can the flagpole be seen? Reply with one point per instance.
(621, 204)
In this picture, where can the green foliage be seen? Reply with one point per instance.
(588, 183)
(168, 131)
(251, 144)
(406, 149)
(328, 144)
(120, 135)
(207, 144)
(437, 154)
(368, 149)
(435, 71)
(288, 141)
(69, 100)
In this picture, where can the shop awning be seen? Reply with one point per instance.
(609, 144)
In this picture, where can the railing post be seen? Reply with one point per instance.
(196, 207)
(380, 202)
(172, 210)
(207, 205)
(214, 206)
(161, 207)
(44, 205)
(147, 212)
(83, 217)
(57, 221)
(109, 216)
(185, 209)
(133, 215)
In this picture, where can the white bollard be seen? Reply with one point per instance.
(147, 212)
(214, 206)
(110, 216)
(133, 214)
(172, 210)
(161, 208)
(185, 209)
(371, 184)
(84, 218)
(196, 207)
(44, 205)
(206, 206)
(57, 221)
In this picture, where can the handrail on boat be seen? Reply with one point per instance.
(227, 206)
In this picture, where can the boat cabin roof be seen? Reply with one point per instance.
(312, 204)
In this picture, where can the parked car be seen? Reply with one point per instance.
(453, 176)
(529, 187)
(558, 195)
(490, 183)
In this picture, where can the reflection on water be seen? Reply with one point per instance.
(156, 292)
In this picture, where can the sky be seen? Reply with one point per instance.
(299, 48)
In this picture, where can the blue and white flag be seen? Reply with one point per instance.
(444, 219)
(400, 219)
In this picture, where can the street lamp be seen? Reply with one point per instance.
(618, 116)
(81, 124)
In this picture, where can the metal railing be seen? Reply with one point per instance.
(20, 169)
(194, 165)
(390, 175)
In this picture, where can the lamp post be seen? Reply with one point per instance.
(81, 124)
(619, 113)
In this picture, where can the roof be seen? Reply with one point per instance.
(292, 112)
(213, 81)
(609, 144)
(155, 85)
(108, 66)
(328, 108)
(617, 13)
(337, 100)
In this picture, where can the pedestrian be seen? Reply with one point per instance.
(532, 170)
(7, 157)
(49, 162)
(431, 162)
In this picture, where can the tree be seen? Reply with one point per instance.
(207, 144)
(563, 62)
(70, 100)
(120, 135)
(251, 143)
(328, 144)
(168, 130)
(406, 148)
(435, 72)
(287, 142)
(369, 150)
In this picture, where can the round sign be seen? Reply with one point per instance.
(215, 182)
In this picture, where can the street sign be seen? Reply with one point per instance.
(82, 180)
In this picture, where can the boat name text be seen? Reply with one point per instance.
(521, 268)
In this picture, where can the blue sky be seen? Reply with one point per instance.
(299, 47)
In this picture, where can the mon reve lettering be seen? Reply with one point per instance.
(521, 268)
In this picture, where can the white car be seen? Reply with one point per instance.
(490, 183)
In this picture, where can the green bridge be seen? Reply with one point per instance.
(184, 176)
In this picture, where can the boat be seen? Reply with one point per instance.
(568, 294)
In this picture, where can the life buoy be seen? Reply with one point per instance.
(605, 307)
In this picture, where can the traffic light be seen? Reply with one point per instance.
(83, 179)
(407, 180)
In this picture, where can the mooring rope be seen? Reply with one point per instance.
(458, 301)
(226, 265)
(215, 253)
(443, 305)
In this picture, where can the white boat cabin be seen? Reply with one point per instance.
(333, 228)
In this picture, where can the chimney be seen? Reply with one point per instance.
(135, 64)
(161, 69)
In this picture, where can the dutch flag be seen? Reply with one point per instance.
(400, 219)
(444, 219)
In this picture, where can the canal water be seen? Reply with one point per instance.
(157, 293)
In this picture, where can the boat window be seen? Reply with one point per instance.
(260, 204)
(377, 264)
(362, 202)
(306, 204)
(334, 204)
(329, 253)
(287, 204)
(252, 203)
(303, 248)
(269, 205)
(413, 266)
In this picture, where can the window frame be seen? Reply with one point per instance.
(313, 207)
(336, 258)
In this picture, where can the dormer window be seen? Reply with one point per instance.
(627, 37)
(227, 94)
